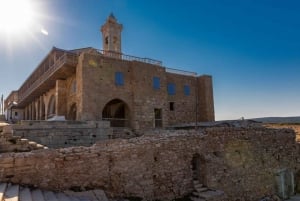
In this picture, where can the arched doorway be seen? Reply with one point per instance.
(116, 111)
(72, 112)
(198, 165)
(51, 107)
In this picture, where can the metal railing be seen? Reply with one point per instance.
(31, 84)
(126, 57)
(181, 72)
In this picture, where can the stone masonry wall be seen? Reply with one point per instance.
(96, 87)
(242, 162)
(58, 134)
(10, 143)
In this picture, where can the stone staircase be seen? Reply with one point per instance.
(203, 193)
(13, 192)
(11, 143)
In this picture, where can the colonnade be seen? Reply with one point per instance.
(40, 109)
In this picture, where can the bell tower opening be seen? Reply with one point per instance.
(111, 37)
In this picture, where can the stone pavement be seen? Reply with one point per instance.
(294, 198)
(12, 192)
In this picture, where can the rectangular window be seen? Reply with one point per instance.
(171, 89)
(16, 113)
(172, 104)
(186, 90)
(119, 78)
(156, 83)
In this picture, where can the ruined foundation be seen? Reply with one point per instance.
(245, 163)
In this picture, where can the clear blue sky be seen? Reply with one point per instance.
(250, 47)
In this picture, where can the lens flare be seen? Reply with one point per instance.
(15, 15)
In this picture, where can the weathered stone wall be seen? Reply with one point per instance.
(97, 84)
(59, 134)
(242, 162)
(184, 110)
(96, 77)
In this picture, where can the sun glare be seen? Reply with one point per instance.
(15, 16)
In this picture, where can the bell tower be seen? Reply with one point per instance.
(111, 35)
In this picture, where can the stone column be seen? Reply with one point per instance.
(46, 107)
(61, 98)
(40, 108)
(37, 111)
(30, 112)
(33, 110)
(25, 113)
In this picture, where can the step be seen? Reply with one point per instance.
(24, 141)
(39, 146)
(100, 194)
(49, 196)
(198, 186)
(85, 195)
(62, 197)
(2, 190)
(12, 193)
(32, 143)
(196, 199)
(37, 195)
(73, 198)
(196, 181)
(25, 195)
(203, 189)
(210, 194)
(195, 194)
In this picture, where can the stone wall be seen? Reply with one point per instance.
(242, 162)
(58, 134)
(10, 143)
(96, 76)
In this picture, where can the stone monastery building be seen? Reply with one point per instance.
(90, 84)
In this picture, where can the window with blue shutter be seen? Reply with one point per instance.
(171, 89)
(156, 83)
(186, 90)
(119, 78)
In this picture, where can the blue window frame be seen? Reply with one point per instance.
(156, 83)
(119, 78)
(187, 90)
(171, 89)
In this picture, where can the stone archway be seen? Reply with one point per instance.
(117, 112)
(72, 112)
(198, 165)
(51, 107)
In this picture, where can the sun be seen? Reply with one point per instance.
(15, 16)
